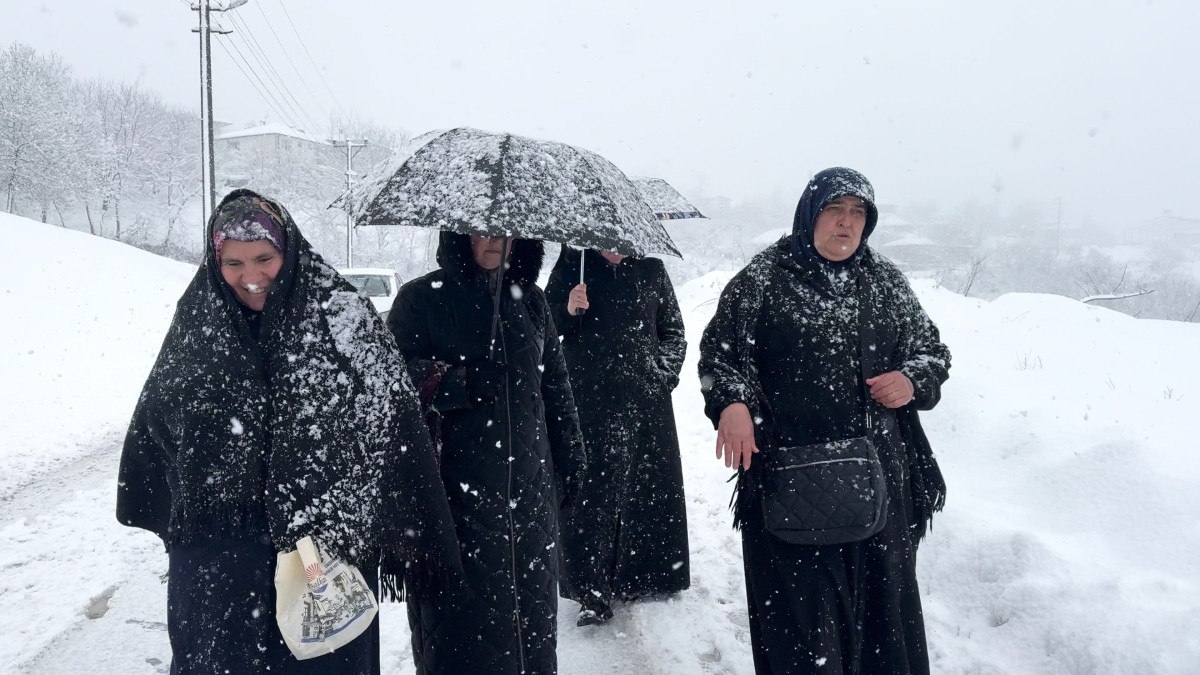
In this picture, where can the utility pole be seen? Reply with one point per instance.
(208, 197)
(349, 145)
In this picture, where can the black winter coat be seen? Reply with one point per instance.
(784, 341)
(499, 459)
(626, 534)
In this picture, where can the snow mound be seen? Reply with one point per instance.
(85, 316)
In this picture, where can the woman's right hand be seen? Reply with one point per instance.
(577, 299)
(735, 436)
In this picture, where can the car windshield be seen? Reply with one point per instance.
(371, 284)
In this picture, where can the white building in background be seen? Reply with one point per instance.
(1167, 228)
(269, 151)
(267, 136)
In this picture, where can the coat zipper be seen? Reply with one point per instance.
(512, 530)
(859, 460)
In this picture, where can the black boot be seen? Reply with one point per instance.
(594, 613)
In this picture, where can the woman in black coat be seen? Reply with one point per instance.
(781, 366)
(277, 409)
(626, 535)
(508, 429)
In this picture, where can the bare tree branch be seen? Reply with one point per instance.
(1116, 296)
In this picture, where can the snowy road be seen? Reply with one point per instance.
(84, 584)
(95, 600)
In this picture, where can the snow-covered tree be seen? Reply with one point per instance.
(36, 143)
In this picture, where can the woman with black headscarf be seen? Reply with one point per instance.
(781, 366)
(278, 408)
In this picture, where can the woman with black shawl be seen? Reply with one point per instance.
(278, 408)
(781, 365)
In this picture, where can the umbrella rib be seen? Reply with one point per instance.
(496, 179)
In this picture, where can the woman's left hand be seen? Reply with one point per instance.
(892, 389)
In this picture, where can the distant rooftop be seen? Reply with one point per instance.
(270, 129)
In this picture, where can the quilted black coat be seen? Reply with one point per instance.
(498, 460)
(627, 533)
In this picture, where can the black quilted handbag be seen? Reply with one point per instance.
(828, 493)
(825, 493)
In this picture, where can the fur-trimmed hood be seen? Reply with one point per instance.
(524, 263)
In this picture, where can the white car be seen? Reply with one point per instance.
(379, 284)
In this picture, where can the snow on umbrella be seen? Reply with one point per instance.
(497, 184)
(665, 200)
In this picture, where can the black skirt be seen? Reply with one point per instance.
(850, 608)
(221, 615)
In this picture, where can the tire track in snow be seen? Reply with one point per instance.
(86, 589)
(90, 471)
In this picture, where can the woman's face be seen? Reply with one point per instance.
(487, 250)
(612, 257)
(250, 267)
(839, 228)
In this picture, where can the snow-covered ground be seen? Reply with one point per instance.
(1069, 544)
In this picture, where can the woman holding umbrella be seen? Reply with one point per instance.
(627, 533)
(276, 410)
(478, 337)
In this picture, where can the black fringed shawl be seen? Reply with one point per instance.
(312, 429)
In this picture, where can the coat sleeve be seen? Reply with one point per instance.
(410, 325)
(672, 345)
(726, 375)
(924, 359)
(562, 418)
(143, 494)
(558, 288)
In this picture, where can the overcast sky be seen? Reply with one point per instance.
(1091, 102)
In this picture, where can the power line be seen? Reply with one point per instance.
(271, 74)
(312, 61)
(274, 76)
(292, 63)
(267, 97)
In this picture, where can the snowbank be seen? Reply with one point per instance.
(84, 317)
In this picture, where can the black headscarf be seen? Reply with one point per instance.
(311, 429)
(825, 187)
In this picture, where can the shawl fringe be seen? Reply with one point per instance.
(404, 573)
(925, 476)
(230, 520)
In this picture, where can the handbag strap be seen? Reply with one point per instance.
(866, 335)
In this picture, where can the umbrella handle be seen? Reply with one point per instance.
(579, 311)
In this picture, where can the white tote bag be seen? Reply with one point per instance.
(321, 602)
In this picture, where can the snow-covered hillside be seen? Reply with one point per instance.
(1069, 543)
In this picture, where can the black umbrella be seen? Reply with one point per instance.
(664, 200)
(502, 185)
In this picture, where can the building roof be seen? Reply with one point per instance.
(270, 129)
(1172, 223)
